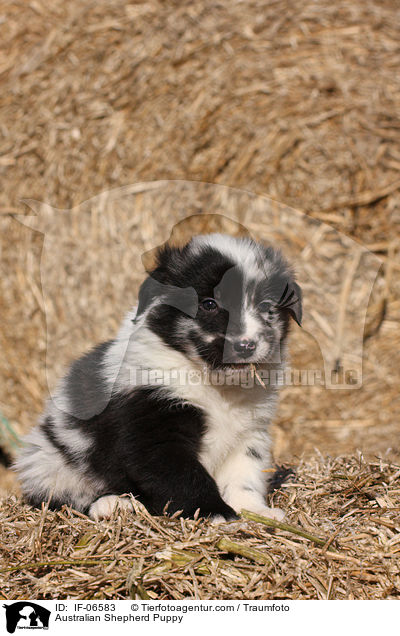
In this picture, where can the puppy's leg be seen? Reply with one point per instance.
(175, 477)
(240, 478)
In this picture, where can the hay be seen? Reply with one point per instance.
(350, 505)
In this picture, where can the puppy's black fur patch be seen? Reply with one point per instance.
(158, 456)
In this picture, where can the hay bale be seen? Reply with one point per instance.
(348, 502)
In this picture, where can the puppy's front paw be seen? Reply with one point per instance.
(242, 499)
(272, 513)
(216, 520)
(103, 507)
(224, 515)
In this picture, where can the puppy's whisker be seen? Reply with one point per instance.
(283, 294)
(287, 305)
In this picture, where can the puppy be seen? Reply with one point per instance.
(170, 411)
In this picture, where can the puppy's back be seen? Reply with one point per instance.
(53, 462)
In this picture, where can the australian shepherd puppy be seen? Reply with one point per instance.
(172, 410)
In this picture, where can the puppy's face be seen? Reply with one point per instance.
(223, 301)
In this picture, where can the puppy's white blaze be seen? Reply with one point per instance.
(252, 325)
(43, 471)
(241, 251)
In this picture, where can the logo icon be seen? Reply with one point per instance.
(26, 615)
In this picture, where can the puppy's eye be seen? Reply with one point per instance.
(268, 310)
(209, 304)
(265, 307)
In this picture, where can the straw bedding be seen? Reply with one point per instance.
(351, 504)
(296, 101)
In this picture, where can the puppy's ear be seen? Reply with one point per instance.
(183, 298)
(147, 293)
(281, 286)
(292, 302)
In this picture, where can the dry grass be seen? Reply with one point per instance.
(299, 101)
(351, 504)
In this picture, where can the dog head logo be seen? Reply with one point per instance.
(26, 615)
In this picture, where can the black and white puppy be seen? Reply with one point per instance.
(166, 411)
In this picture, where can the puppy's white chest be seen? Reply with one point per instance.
(226, 426)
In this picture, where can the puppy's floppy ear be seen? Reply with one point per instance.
(281, 284)
(292, 301)
(183, 298)
(147, 293)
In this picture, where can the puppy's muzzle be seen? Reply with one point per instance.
(245, 348)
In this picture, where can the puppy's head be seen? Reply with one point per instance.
(222, 301)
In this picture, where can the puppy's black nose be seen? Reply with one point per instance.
(245, 348)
